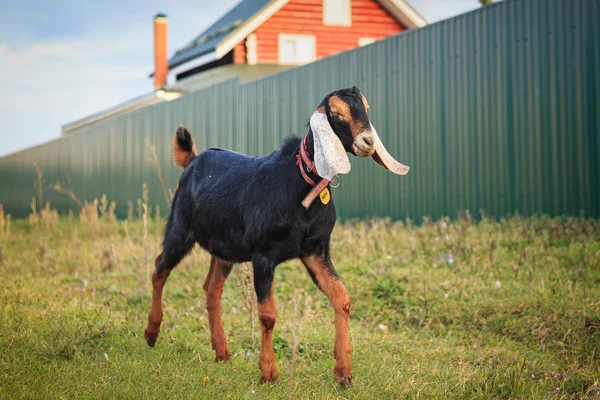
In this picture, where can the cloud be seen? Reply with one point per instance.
(50, 84)
(87, 58)
(61, 60)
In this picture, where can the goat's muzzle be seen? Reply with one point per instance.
(364, 144)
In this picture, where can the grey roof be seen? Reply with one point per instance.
(136, 103)
(214, 76)
(195, 82)
(208, 40)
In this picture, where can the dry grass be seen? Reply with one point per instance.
(494, 309)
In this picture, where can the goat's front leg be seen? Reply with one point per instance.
(324, 275)
(213, 288)
(267, 315)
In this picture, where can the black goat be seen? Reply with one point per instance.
(242, 208)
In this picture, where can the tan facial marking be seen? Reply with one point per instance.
(342, 109)
(339, 106)
(366, 103)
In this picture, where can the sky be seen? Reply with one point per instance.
(61, 60)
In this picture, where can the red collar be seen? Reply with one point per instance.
(302, 157)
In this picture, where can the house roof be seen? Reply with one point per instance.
(136, 103)
(208, 40)
(248, 15)
(213, 76)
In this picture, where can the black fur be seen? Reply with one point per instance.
(353, 98)
(242, 208)
(184, 140)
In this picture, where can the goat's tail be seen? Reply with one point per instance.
(184, 150)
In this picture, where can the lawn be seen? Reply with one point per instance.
(493, 309)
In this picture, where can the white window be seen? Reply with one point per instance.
(363, 41)
(337, 12)
(251, 53)
(297, 49)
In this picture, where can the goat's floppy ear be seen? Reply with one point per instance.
(330, 155)
(383, 158)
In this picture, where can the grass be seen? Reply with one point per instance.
(497, 309)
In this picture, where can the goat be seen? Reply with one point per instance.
(241, 208)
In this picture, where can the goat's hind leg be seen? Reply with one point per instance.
(213, 288)
(173, 251)
(155, 316)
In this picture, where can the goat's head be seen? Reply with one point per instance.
(341, 124)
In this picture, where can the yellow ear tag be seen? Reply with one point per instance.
(325, 196)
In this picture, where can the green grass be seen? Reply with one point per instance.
(502, 309)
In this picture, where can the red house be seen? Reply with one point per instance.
(263, 36)
(260, 37)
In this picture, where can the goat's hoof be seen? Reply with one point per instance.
(150, 337)
(343, 377)
(270, 376)
(223, 356)
(268, 372)
(346, 382)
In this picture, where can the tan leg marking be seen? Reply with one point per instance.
(267, 315)
(213, 288)
(155, 316)
(335, 290)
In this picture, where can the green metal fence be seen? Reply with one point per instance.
(497, 109)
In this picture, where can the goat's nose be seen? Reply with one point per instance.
(365, 140)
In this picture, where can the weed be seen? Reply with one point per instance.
(5, 221)
(448, 309)
(57, 187)
(158, 170)
(39, 184)
(246, 287)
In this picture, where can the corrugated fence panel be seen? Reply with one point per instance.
(497, 109)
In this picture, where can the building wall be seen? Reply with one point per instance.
(239, 53)
(369, 19)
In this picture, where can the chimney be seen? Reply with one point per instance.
(161, 65)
